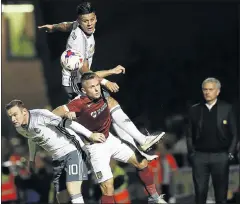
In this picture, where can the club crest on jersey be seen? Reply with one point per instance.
(94, 114)
(99, 175)
(37, 130)
(91, 50)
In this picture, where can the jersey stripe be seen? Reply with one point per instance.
(70, 137)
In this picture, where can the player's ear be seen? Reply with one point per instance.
(83, 90)
(24, 111)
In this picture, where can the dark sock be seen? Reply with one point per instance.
(107, 199)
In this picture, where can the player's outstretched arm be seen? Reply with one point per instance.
(116, 70)
(79, 129)
(111, 86)
(63, 111)
(62, 27)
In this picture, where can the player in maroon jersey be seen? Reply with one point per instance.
(92, 112)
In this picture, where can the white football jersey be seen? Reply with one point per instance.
(84, 44)
(43, 129)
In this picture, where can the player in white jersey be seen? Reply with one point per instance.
(58, 137)
(81, 39)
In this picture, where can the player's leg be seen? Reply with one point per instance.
(123, 122)
(107, 189)
(76, 171)
(126, 137)
(147, 177)
(74, 191)
(59, 181)
(125, 154)
(63, 197)
(100, 161)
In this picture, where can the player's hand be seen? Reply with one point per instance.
(31, 167)
(118, 70)
(70, 115)
(111, 86)
(97, 137)
(46, 28)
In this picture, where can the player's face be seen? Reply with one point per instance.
(210, 91)
(92, 88)
(87, 22)
(17, 116)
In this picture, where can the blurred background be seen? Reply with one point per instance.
(167, 47)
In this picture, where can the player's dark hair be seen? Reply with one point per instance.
(13, 103)
(85, 8)
(87, 76)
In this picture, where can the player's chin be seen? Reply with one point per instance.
(97, 96)
(16, 125)
(89, 32)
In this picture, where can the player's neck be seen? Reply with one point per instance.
(94, 100)
(26, 119)
(87, 35)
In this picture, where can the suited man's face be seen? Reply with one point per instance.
(210, 91)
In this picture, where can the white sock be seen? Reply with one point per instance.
(122, 134)
(77, 199)
(126, 137)
(123, 121)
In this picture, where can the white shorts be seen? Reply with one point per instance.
(101, 153)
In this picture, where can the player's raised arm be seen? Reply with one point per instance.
(62, 27)
(62, 111)
(103, 73)
(48, 118)
(116, 70)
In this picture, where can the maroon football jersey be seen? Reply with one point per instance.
(94, 115)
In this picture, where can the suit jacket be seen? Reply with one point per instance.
(226, 124)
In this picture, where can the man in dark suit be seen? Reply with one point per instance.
(211, 142)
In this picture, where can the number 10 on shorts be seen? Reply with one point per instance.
(73, 169)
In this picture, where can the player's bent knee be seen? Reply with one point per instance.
(112, 102)
(107, 187)
(138, 161)
(63, 197)
(74, 187)
(143, 164)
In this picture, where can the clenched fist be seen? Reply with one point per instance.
(118, 70)
(70, 115)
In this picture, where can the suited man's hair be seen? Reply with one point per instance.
(212, 80)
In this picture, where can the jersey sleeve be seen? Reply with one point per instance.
(75, 25)
(48, 118)
(74, 105)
